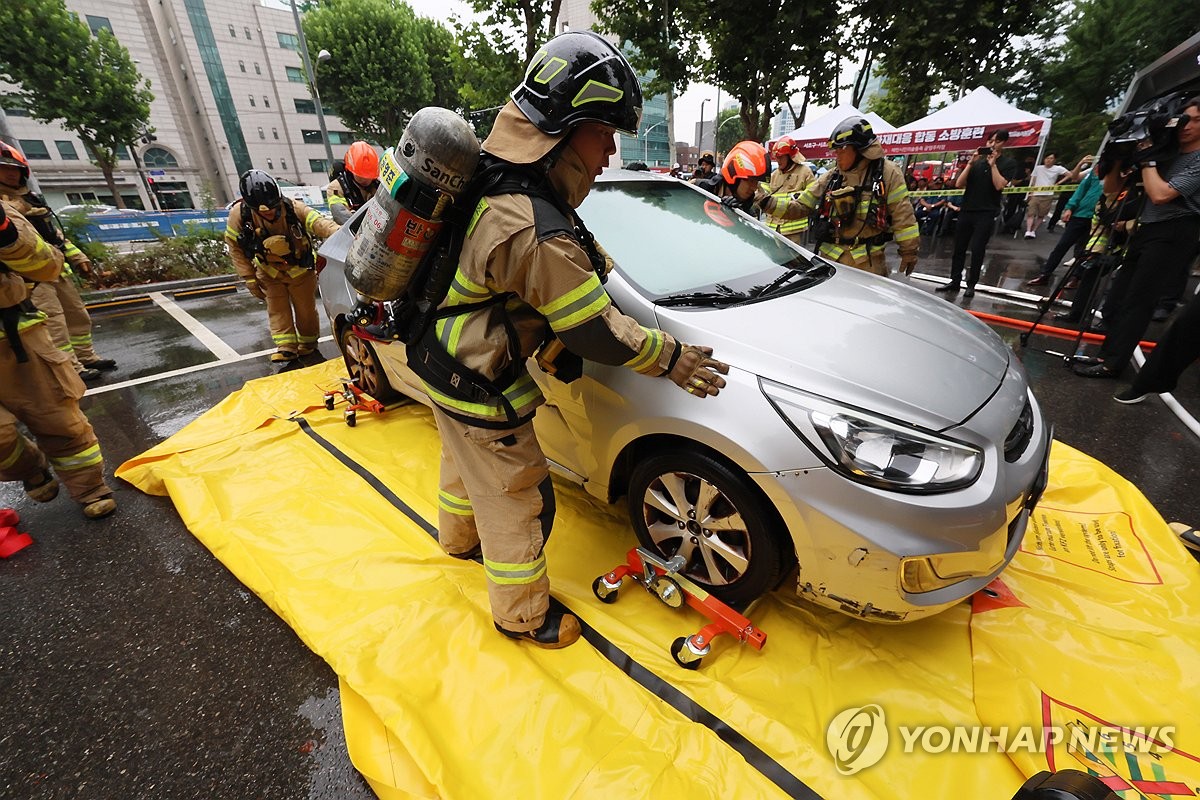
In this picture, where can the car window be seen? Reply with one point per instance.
(667, 238)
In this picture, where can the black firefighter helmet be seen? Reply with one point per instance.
(259, 189)
(579, 77)
(854, 131)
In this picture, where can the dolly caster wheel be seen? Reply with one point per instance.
(329, 402)
(685, 654)
(351, 418)
(604, 591)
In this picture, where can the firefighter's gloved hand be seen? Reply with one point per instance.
(85, 266)
(696, 371)
(12, 289)
(256, 289)
(768, 204)
(730, 200)
(908, 262)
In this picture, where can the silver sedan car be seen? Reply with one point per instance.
(880, 440)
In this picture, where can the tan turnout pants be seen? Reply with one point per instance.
(68, 320)
(495, 490)
(44, 393)
(292, 310)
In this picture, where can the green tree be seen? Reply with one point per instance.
(729, 129)
(535, 19)
(757, 49)
(64, 73)
(489, 67)
(387, 64)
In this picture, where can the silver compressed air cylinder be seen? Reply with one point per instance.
(418, 178)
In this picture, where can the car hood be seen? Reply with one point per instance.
(872, 343)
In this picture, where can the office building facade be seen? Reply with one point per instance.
(230, 93)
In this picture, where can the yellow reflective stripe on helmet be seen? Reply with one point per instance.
(552, 67)
(577, 306)
(515, 574)
(18, 449)
(647, 357)
(455, 505)
(85, 458)
(906, 233)
(595, 92)
(464, 290)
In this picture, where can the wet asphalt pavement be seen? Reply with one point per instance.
(133, 665)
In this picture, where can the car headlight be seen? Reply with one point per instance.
(874, 450)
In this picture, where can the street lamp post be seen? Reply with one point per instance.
(646, 136)
(700, 139)
(722, 125)
(323, 56)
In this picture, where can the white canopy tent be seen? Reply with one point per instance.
(813, 137)
(966, 124)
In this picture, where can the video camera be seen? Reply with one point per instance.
(1155, 121)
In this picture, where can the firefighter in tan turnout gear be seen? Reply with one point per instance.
(860, 205)
(270, 240)
(790, 177)
(528, 273)
(38, 386)
(67, 318)
(354, 184)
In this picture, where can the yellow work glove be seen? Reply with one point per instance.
(695, 371)
(255, 289)
(908, 262)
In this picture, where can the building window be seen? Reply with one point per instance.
(288, 40)
(283, 163)
(13, 106)
(266, 101)
(66, 151)
(270, 164)
(294, 74)
(312, 137)
(79, 198)
(275, 132)
(261, 135)
(305, 106)
(247, 30)
(34, 149)
(318, 165)
(232, 32)
(242, 66)
(252, 103)
(340, 137)
(98, 24)
(158, 157)
(257, 69)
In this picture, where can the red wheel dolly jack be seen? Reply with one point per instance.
(11, 540)
(356, 400)
(663, 580)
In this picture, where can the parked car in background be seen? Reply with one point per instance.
(882, 439)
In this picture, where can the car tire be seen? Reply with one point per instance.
(363, 364)
(741, 556)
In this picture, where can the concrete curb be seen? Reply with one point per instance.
(142, 290)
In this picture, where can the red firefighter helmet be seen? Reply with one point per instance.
(785, 146)
(362, 161)
(12, 157)
(746, 160)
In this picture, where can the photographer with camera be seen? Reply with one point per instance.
(982, 180)
(1167, 237)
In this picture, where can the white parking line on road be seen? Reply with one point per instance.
(195, 327)
(185, 370)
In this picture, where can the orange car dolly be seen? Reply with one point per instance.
(663, 580)
(356, 399)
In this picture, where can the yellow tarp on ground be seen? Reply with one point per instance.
(1093, 627)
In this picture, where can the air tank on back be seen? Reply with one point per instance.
(418, 179)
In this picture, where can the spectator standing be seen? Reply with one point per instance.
(1177, 349)
(1077, 216)
(983, 179)
(1166, 240)
(1046, 174)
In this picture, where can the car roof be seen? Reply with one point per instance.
(612, 175)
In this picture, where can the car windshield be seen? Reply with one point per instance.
(671, 240)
